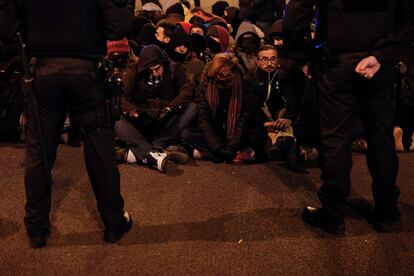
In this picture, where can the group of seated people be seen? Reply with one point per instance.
(191, 90)
(211, 86)
(201, 86)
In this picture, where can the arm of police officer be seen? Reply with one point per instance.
(117, 17)
(402, 36)
(9, 21)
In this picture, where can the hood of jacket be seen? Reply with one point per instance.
(246, 27)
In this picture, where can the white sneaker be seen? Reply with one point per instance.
(156, 159)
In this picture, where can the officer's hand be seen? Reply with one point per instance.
(368, 67)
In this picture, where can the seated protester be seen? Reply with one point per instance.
(139, 22)
(231, 15)
(277, 106)
(404, 98)
(152, 12)
(185, 26)
(218, 41)
(174, 14)
(163, 34)
(197, 20)
(248, 40)
(198, 29)
(180, 51)
(274, 36)
(199, 42)
(209, 18)
(219, 7)
(224, 131)
(156, 106)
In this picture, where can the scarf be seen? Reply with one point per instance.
(212, 95)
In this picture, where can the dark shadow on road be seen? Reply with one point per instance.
(258, 225)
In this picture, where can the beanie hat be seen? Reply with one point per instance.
(219, 7)
(176, 8)
(179, 37)
(151, 7)
(185, 26)
(118, 46)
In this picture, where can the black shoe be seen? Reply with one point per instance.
(177, 154)
(38, 241)
(116, 235)
(315, 217)
(391, 224)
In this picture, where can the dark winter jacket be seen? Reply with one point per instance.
(214, 126)
(175, 88)
(286, 89)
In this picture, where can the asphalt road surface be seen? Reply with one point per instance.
(201, 219)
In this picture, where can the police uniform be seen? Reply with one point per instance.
(66, 39)
(347, 32)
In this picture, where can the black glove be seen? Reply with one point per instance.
(166, 113)
(153, 114)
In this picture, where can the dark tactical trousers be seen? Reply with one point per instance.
(62, 84)
(341, 93)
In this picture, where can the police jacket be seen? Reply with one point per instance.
(372, 26)
(76, 28)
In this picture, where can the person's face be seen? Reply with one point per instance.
(181, 49)
(197, 30)
(160, 35)
(157, 70)
(267, 60)
(278, 42)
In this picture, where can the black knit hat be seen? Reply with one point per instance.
(179, 37)
(176, 8)
(219, 7)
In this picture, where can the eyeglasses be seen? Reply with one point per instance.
(267, 59)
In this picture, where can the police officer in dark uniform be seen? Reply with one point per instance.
(67, 39)
(354, 41)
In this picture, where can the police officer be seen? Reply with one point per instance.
(66, 40)
(355, 41)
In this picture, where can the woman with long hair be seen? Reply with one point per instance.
(225, 106)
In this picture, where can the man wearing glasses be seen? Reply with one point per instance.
(277, 104)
